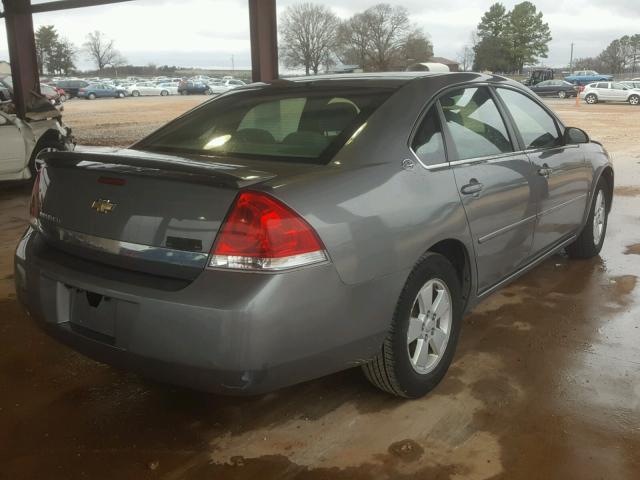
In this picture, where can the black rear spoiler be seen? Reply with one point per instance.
(136, 162)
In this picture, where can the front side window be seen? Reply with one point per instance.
(428, 144)
(299, 123)
(474, 123)
(537, 127)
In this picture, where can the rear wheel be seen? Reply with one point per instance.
(590, 241)
(91, 96)
(591, 99)
(424, 332)
(634, 99)
(164, 93)
(562, 94)
(135, 93)
(63, 98)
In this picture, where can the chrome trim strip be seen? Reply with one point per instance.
(126, 249)
(561, 205)
(502, 230)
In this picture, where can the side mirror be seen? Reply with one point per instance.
(575, 136)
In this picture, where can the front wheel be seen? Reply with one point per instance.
(63, 98)
(91, 96)
(36, 162)
(120, 94)
(424, 332)
(135, 93)
(634, 99)
(590, 241)
(164, 93)
(562, 94)
(591, 99)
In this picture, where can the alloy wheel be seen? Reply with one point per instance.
(562, 94)
(599, 218)
(429, 326)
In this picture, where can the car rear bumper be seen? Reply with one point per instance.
(227, 332)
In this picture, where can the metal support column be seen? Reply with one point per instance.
(22, 53)
(264, 39)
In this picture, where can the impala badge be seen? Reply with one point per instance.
(103, 206)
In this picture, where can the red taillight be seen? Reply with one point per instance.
(34, 206)
(261, 233)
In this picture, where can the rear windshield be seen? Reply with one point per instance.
(304, 124)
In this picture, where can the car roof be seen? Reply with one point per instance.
(389, 79)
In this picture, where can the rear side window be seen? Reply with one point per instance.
(474, 123)
(602, 85)
(536, 125)
(307, 124)
(428, 144)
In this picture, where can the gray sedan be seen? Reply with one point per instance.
(285, 231)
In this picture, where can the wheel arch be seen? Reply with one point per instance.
(608, 175)
(457, 253)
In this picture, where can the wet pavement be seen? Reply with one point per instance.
(545, 384)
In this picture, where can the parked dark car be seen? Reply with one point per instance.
(189, 87)
(71, 87)
(285, 231)
(555, 88)
(51, 93)
(101, 90)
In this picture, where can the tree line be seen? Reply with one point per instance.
(56, 55)
(380, 38)
(621, 55)
(506, 41)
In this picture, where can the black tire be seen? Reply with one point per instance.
(391, 370)
(135, 93)
(63, 98)
(562, 94)
(121, 95)
(634, 100)
(585, 245)
(164, 93)
(591, 99)
(207, 92)
(91, 96)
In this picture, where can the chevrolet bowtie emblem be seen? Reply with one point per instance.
(103, 206)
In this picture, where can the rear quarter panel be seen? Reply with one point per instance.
(374, 216)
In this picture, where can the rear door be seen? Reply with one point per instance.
(619, 92)
(562, 177)
(495, 182)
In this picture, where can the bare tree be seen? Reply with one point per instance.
(466, 56)
(100, 49)
(388, 29)
(308, 35)
(353, 42)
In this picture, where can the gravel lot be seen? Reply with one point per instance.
(545, 383)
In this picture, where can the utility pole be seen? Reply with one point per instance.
(571, 59)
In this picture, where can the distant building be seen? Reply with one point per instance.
(5, 68)
(428, 67)
(453, 65)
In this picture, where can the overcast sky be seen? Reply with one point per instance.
(207, 33)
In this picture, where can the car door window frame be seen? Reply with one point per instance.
(560, 128)
(433, 103)
(516, 145)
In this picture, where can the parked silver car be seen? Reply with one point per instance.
(610, 92)
(285, 231)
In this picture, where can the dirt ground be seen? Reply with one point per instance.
(545, 383)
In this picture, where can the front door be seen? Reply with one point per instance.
(12, 147)
(562, 175)
(495, 183)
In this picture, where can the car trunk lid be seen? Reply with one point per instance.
(147, 212)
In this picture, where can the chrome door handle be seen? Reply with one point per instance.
(474, 187)
(545, 171)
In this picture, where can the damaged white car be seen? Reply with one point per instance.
(21, 143)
